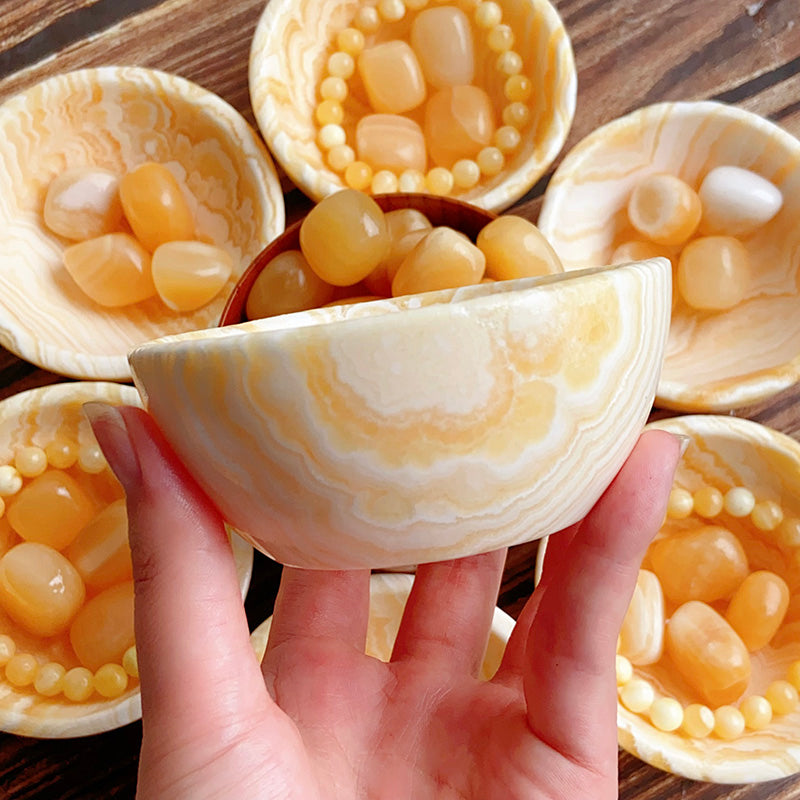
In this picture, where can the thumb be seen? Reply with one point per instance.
(196, 664)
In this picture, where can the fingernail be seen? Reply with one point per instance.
(111, 432)
(683, 441)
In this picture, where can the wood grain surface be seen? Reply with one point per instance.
(629, 53)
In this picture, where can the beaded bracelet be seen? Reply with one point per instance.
(465, 173)
(755, 712)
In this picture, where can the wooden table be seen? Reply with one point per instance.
(629, 53)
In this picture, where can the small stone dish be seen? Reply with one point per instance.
(288, 60)
(715, 360)
(35, 420)
(116, 118)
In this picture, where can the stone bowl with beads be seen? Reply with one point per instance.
(468, 99)
(716, 189)
(708, 658)
(376, 414)
(131, 200)
(67, 652)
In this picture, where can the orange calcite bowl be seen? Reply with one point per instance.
(289, 52)
(116, 118)
(714, 361)
(417, 428)
(725, 452)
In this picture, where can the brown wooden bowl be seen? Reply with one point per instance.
(440, 211)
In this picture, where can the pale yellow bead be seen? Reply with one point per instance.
(383, 182)
(329, 112)
(789, 532)
(331, 136)
(91, 459)
(130, 662)
(509, 63)
(358, 175)
(516, 114)
(411, 180)
(340, 157)
(708, 502)
(698, 721)
(7, 649)
(767, 515)
(367, 19)
(333, 88)
(507, 138)
(728, 722)
(392, 10)
(61, 453)
(350, 40)
(637, 695)
(10, 480)
(488, 14)
(30, 461)
(782, 697)
(439, 181)
(341, 65)
(680, 504)
(739, 501)
(490, 161)
(78, 684)
(110, 680)
(757, 712)
(666, 714)
(466, 173)
(21, 669)
(624, 670)
(517, 88)
(793, 675)
(500, 38)
(49, 679)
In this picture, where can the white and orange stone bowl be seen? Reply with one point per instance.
(36, 417)
(714, 361)
(417, 428)
(117, 118)
(388, 593)
(288, 58)
(725, 452)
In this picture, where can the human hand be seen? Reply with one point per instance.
(320, 719)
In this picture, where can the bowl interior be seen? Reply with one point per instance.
(714, 361)
(117, 118)
(440, 211)
(726, 452)
(289, 53)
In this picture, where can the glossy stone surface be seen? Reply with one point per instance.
(442, 39)
(389, 141)
(392, 77)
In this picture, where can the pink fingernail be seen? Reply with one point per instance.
(683, 441)
(112, 436)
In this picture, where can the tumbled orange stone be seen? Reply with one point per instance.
(707, 563)
(344, 237)
(444, 259)
(113, 270)
(187, 275)
(155, 206)
(389, 141)
(103, 629)
(83, 203)
(714, 273)
(459, 122)
(100, 552)
(392, 77)
(758, 608)
(285, 285)
(51, 509)
(708, 653)
(39, 589)
(442, 39)
(515, 248)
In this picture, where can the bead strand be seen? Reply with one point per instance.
(465, 173)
